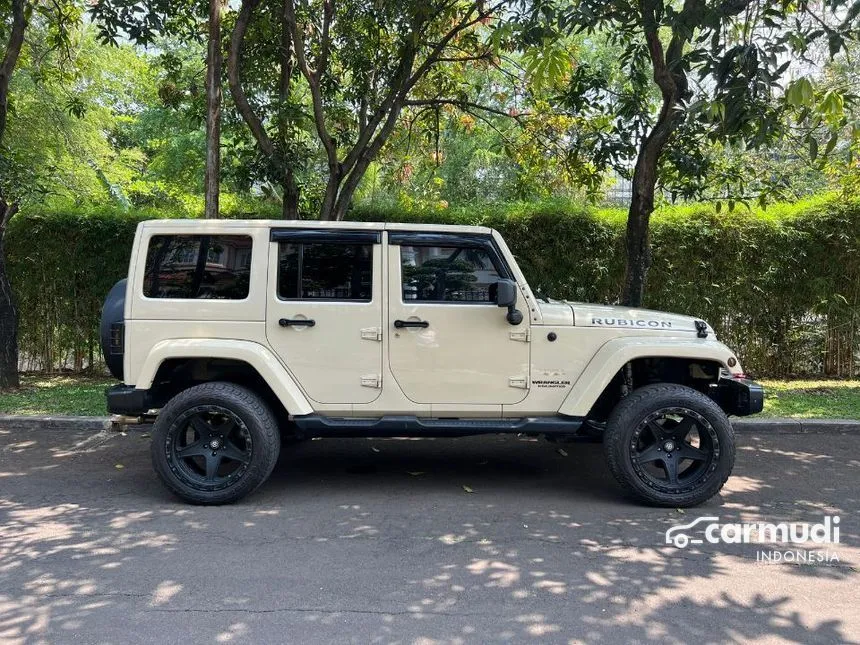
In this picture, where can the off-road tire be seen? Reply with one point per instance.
(620, 444)
(257, 420)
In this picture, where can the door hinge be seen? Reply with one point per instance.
(522, 336)
(371, 333)
(371, 380)
(521, 382)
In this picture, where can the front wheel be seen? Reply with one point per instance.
(215, 443)
(669, 445)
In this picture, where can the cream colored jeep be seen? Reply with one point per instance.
(236, 334)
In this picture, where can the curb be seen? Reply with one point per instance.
(777, 425)
(74, 424)
(774, 425)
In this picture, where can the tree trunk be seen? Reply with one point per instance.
(327, 209)
(670, 77)
(213, 111)
(8, 313)
(290, 208)
(641, 206)
(290, 190)
(278, 160)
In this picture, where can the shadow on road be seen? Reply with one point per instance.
(381, 541)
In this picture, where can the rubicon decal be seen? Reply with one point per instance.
(630, 322)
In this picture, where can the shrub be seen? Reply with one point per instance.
(781, 286)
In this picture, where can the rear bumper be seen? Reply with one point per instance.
(738, 396)
(127, 400)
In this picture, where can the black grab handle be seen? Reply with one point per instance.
(297, 322)
(400, 324)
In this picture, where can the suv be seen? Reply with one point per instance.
(237, 335)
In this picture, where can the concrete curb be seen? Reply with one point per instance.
(79, 424)
(795, 426)
(743, 425)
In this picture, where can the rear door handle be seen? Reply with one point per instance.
(400, 324)
(297, 322)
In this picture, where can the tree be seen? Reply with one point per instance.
(273, 43)
(717, 68)
(16, 16)
(21, 13)
(144, 23)
(363, 64)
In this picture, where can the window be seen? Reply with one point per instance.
(447, 274)
(215, 267)
(325, 271)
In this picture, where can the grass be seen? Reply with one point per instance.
(62, 395)
(84, 396)
(812, 399)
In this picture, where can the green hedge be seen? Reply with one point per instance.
(781, 286)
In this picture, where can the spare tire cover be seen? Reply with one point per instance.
(113, 313)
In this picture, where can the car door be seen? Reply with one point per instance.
(449, 343)
(324, 312)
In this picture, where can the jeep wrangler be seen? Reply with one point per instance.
(234, 335)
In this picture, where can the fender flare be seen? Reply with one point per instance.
(613, 355)
(254, 354)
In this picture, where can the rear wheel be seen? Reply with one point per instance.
(215, 443)
(669, 445)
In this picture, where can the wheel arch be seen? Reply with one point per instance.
(672, 358)
(200, 360)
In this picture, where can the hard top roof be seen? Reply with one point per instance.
(235, 225)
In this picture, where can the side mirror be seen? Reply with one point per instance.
(506, 293)
(506, 296)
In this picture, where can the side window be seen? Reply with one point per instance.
(214, 267)
(447, 274)
(325, 271)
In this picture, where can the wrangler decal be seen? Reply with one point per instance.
(551, 383)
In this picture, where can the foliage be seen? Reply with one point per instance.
(737, 73)
(63, 104)
(717, 69)
(781, 286)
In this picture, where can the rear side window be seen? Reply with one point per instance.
(447, 274)
(325, 271)
(211, 267)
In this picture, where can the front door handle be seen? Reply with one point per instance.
(297, 322)
(400, 324)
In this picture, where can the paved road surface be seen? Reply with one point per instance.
(379, 542)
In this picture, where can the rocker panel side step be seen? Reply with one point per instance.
(315, 425)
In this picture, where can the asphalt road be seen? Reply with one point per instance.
(379, 541)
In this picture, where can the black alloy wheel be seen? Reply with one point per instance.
(674, 447)
(214, 443)
(210, 447)
(669, 445)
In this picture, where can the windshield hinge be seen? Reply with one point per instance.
(371, 380)
(522, 336)
(521, 382)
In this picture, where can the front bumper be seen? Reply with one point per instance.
(127, 400)
(738, 396)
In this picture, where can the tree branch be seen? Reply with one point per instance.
(466, 22)
(465, 105)
(313, 83)
(325, 46)
(234, 64)
(20, 12)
